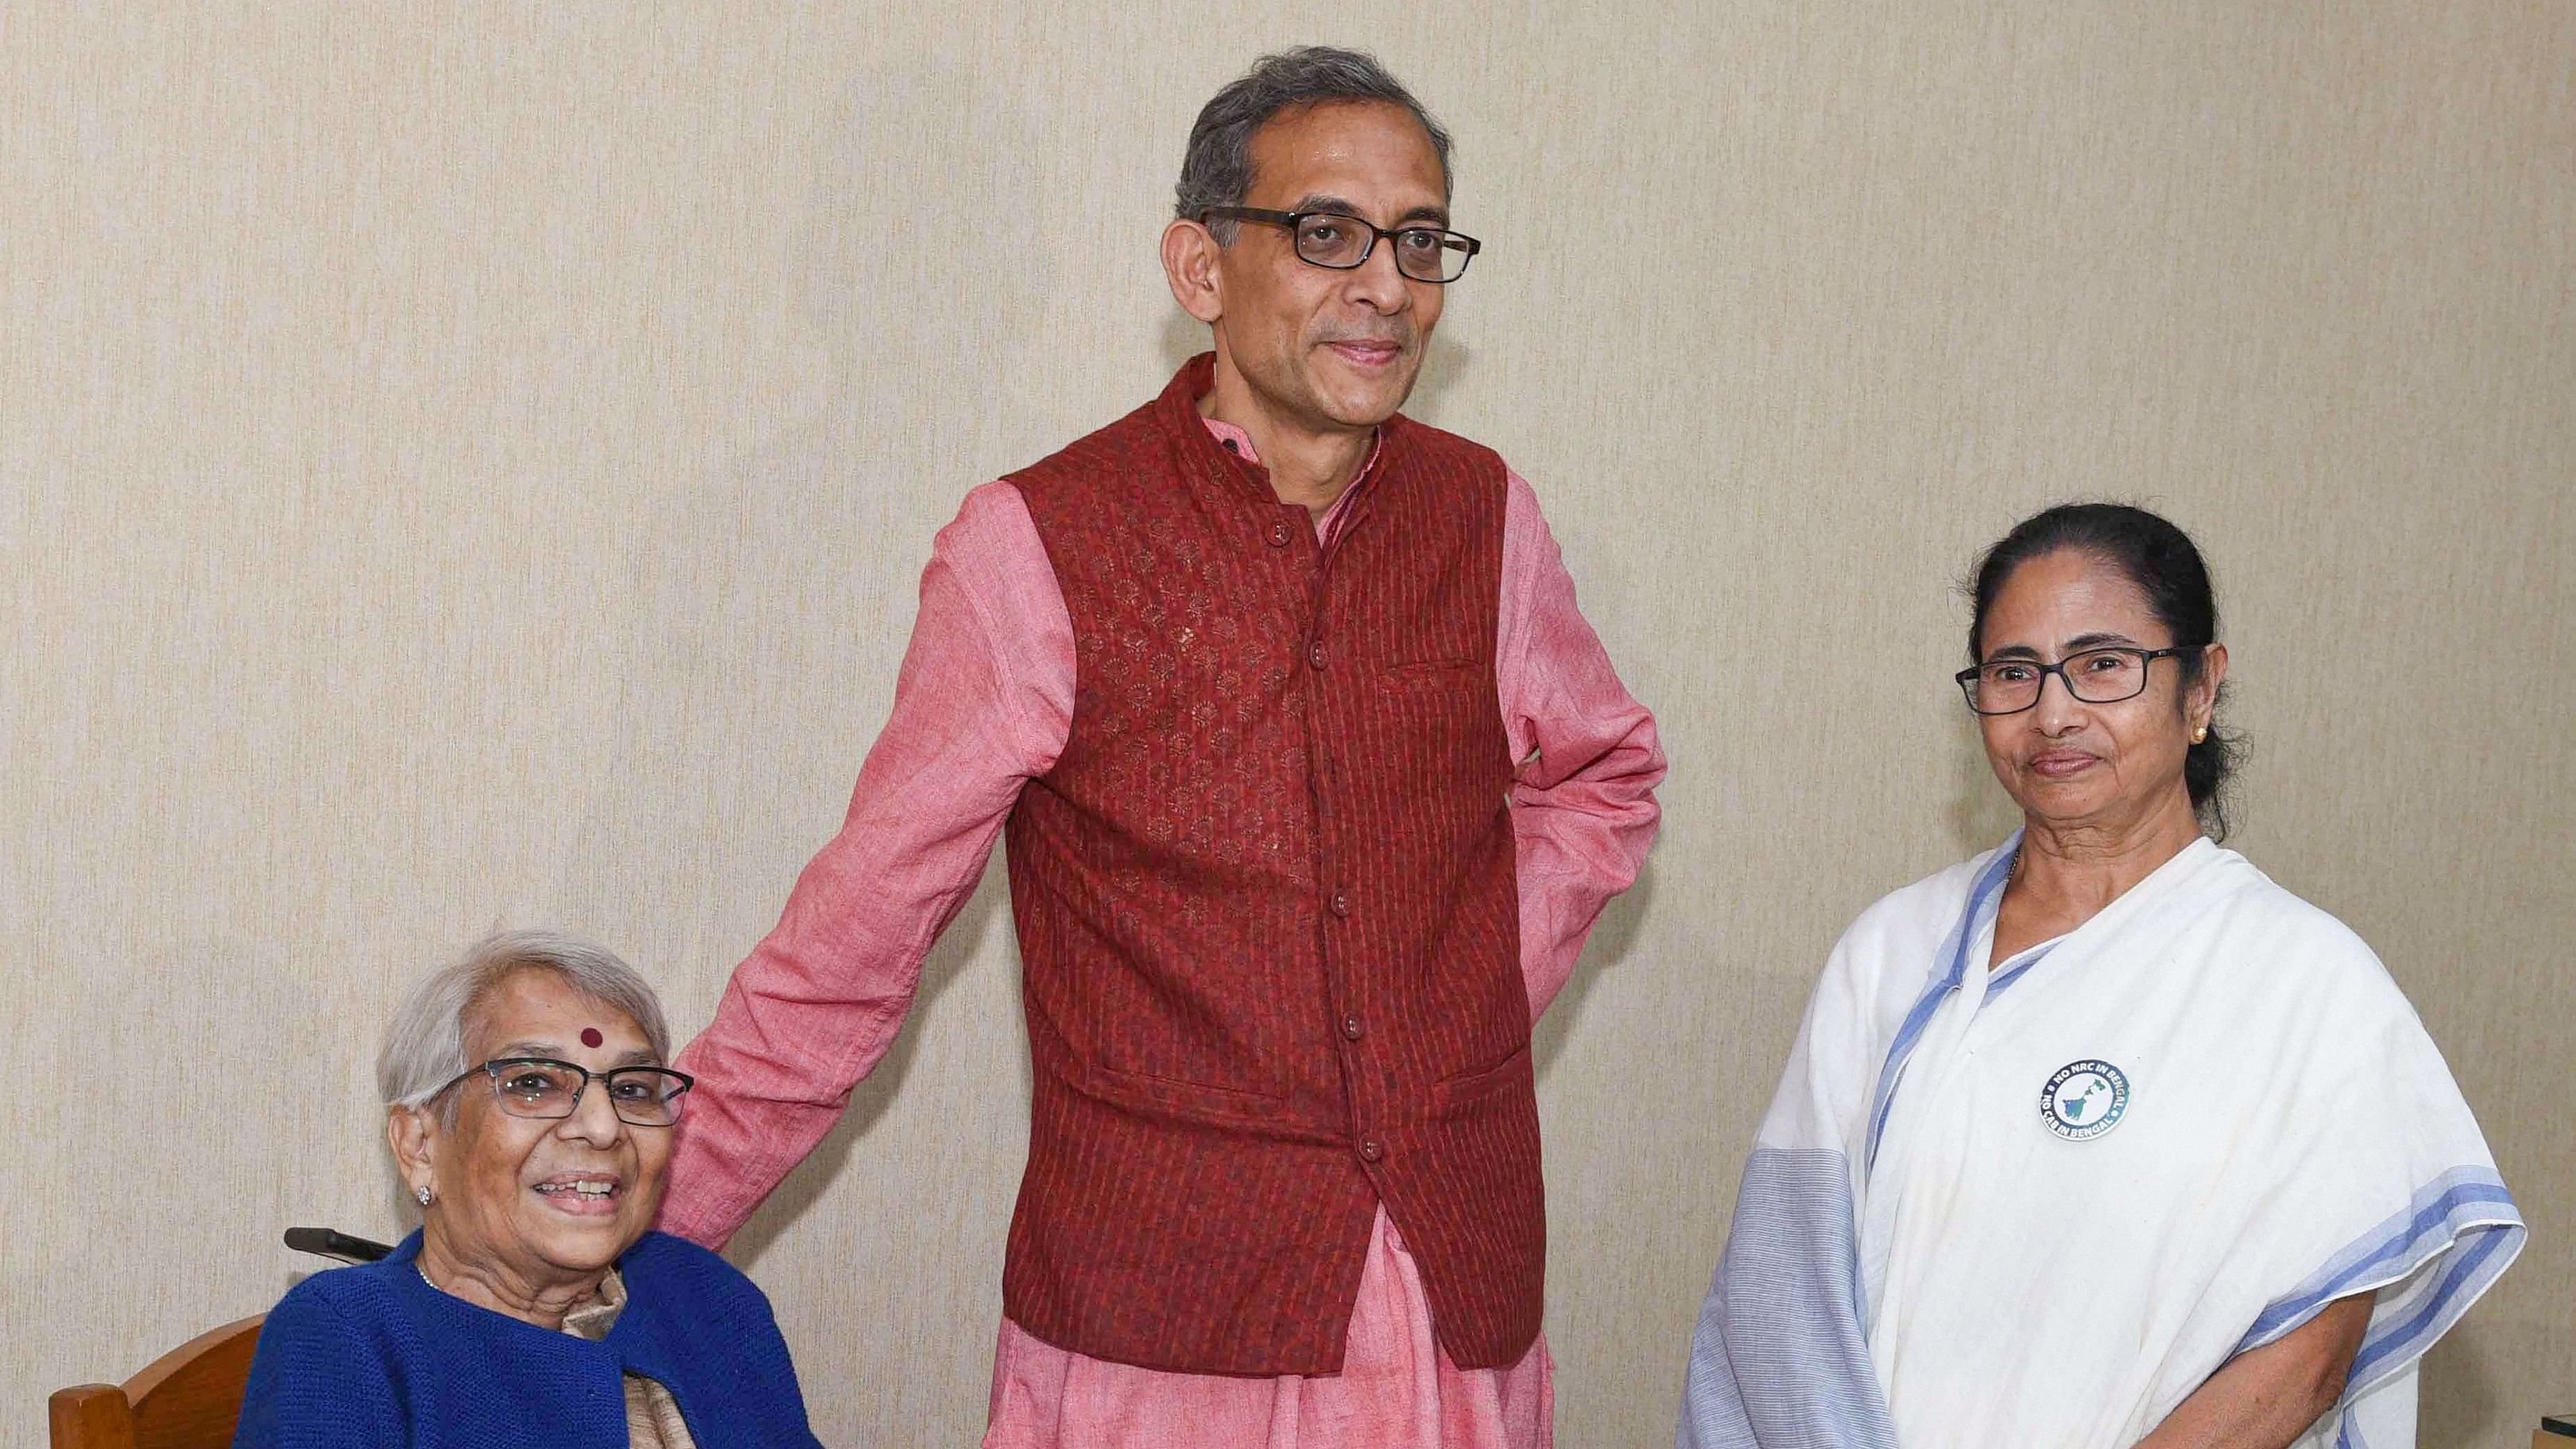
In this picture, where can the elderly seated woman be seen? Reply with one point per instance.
(533, 1306)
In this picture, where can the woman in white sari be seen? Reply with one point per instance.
(2101, 1138)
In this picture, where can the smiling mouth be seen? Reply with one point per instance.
(1368, 352)
(582, 1192)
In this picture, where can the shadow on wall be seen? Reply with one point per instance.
(1185, 337)
(1622, 922)
(1981, 814)
(2468, 1409)
(814, 1177)
(399, 1209)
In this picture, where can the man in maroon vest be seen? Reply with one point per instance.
(1314, 782)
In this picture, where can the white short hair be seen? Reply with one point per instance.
(425, 1043)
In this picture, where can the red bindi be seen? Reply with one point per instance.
(590, 1036)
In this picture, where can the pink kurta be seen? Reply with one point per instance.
(984, 703)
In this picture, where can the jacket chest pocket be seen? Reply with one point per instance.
(1443, 712)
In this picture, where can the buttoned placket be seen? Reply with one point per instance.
(1315, 559)
(1333, 858)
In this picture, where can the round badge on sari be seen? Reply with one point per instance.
(2084, 1100)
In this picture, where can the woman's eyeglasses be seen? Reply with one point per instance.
(2095, 676)
(544, 1088)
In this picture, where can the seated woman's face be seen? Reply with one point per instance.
(2062, 759)
(549, 1198)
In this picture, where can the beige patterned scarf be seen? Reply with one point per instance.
(652, 1416)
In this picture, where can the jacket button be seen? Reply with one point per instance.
(1341, 904)
(1279, 535)
(1351, 1028)
(1371, 1149)
(1315, 654)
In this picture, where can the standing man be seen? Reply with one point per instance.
(1248, 678)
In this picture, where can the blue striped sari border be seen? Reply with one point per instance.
(1983, 898)
(2460, 1199)
(2478, 1264)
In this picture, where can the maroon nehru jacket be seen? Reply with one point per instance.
(1267, 910)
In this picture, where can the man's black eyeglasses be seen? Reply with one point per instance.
(1342, 241)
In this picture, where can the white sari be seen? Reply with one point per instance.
(2039, 1205)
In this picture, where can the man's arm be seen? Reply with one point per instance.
(2265, 1398)
(1583, 808)
(983, 702)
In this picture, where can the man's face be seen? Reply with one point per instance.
(1322, 349)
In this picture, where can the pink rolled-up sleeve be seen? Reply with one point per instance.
(1583, 808)
(983, 703)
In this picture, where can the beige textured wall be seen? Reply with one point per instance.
(470, 463)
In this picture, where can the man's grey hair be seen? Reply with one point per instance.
(1217, 168)
(426, 1042)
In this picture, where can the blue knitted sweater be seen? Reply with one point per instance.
(375, 1356)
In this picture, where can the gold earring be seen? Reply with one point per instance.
(2200, 734)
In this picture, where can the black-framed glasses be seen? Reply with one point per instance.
(1341, 241)
(2095, 676)
(544, 1088)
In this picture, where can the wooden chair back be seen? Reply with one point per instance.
(190, 1398)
